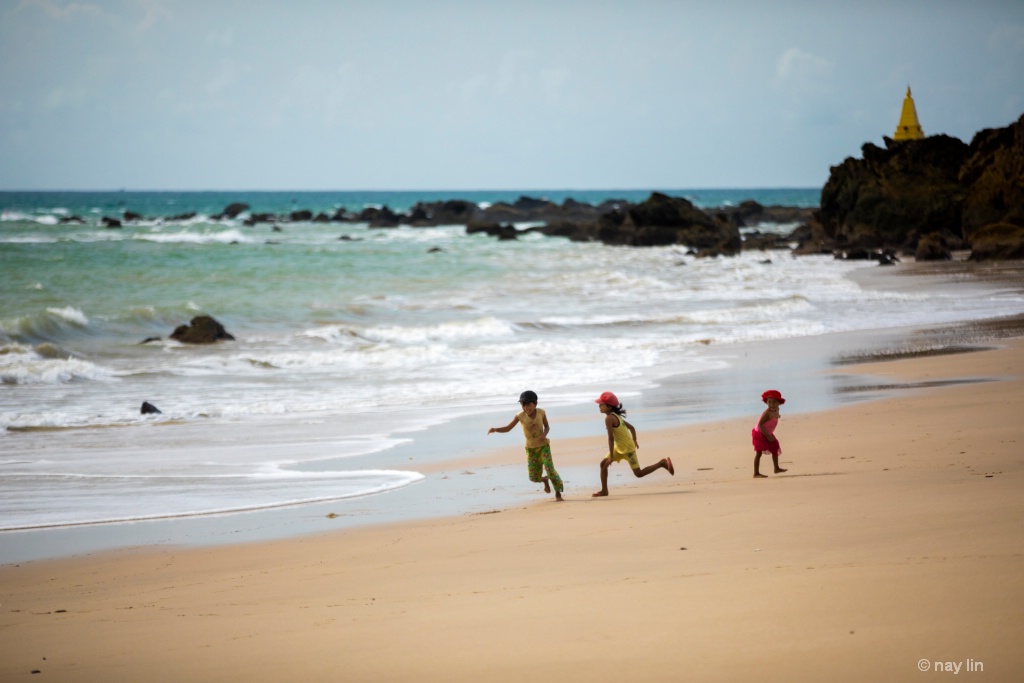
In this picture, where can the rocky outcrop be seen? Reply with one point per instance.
(202, 329)
(936, 189)
(993, 178)
(997, 241)
(454, 212)
(933, 247)
(660, 220)
(893, 196)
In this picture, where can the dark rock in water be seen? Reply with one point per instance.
(202, 330)
(380, 218)
(452, 212)
(132, 216)
(232, 210)
(435, 250)
(502, 232)
(109, 222)
(300, 215)
(148, 408)
(149, 339)
(998, 241)
(885, 257)
(663, 220)
(77, 220)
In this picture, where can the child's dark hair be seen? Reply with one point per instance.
(618, 410)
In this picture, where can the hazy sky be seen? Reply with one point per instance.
(481, 94)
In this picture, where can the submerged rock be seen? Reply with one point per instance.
(202, 330)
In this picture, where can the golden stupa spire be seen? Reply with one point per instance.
(909, 128)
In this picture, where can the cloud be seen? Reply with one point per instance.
(799, 68)
(65, 12)
(1008, 39)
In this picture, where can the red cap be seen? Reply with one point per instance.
(609, 399)
(772, 393)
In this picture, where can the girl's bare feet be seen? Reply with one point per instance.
(758, 475)
(599, 494)
(558, 495)
(668, 465)
(547, 486)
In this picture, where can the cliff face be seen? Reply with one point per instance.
(994, 177)
(894, 196)
(937, 186)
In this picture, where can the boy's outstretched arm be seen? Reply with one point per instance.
(506, 428)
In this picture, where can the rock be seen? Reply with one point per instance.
(576, 232)
(202, 330)
(992, 176)
(232, 210)
(502, 232)
(109, 222)
(453, 212)
(663, 220)
(149, 339)
(897, 196)
(998, 241)
(149, 409)
(300, 215)
(894, 195)
(763, 241)
(933, 247)
(379, 218)
(132, 216)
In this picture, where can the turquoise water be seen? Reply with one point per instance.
(352, 346)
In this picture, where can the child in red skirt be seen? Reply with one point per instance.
(763, 434)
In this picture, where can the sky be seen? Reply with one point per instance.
(485, 94)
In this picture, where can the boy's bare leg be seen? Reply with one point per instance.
(547, 486)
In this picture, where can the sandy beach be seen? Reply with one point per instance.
(890, 550)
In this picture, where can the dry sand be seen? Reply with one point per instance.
(892, 546)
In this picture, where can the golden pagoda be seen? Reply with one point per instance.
(908, 128)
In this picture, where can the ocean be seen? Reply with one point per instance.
(352, 343)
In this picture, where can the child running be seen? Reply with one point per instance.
(622, 442)
(538, 447)
(763, 433)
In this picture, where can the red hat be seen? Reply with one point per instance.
(609, 399)
(772, 393)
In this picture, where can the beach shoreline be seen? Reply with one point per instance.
(892, 542)
(467, 472)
